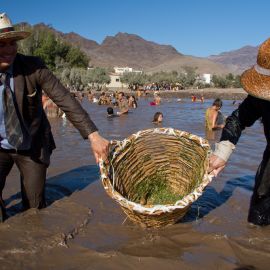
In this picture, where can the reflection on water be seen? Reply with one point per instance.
(213, 235)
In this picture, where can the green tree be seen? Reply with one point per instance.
(77, 58)
(134, 79)
(51, 48)
(221, 82)
(47, 49)
(163, 78)
(26, 46)
(65, 76)
(230, 77)
(190, 76)
(237, 82)
(75, 77)
(97, 77)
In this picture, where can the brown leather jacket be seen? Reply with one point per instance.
(31, 76)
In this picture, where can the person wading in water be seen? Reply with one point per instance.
(256, 82)
(25, 133)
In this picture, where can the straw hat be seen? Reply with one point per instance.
(7, 30)
(256, 80)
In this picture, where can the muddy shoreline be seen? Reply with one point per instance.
(208, 93)
(226, 94)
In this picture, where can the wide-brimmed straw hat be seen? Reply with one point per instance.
(7, 31)
(256, 80)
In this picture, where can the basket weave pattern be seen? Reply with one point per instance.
(180, 156)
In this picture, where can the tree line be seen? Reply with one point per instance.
(188, 78)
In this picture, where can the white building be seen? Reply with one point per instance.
(116, 81)
(206, 78)
(116, 76)
(122, 70)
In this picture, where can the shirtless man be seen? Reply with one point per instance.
(123, 104)
(211, 116)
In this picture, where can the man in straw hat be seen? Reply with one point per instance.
(256, 82)
(25, 133)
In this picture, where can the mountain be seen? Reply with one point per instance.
(237, 60)
(85, 44)
(202, 65)
(131, 50)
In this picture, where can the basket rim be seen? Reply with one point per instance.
(154, 209)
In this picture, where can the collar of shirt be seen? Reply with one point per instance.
(9, 71)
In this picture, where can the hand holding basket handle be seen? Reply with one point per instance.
(216, 165)
(100, 146)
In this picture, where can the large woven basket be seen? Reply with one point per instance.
(176, 158)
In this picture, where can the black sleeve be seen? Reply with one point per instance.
(248, 112)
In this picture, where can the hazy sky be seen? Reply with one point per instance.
(193, 27)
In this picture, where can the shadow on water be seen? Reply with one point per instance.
(211, 199)
(246, 267)
(59, 186)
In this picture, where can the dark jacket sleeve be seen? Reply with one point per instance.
(248, 112)
(66, 102)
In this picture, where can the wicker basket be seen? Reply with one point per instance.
(176, 158)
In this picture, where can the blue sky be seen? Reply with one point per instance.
(193, 27)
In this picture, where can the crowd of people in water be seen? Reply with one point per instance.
(194, 98)
(122, 103)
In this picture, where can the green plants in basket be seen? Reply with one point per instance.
(154, 190)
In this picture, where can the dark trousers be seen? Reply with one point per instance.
(259, 211)
(33, 176)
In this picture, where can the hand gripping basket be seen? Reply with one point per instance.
(156, 174)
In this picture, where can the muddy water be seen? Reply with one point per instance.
(82, 228)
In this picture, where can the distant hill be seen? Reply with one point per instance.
(85, 44)
(131, 50)
(203, 65)
(237, 60)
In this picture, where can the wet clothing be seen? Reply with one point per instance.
(208, 123)
(33, 175)
(250, 110)
(123, 105)
(220, 119)
(30, 77)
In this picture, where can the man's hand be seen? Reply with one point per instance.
(216, 165)
(100, 146)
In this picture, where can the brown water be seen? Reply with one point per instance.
(82, 228)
